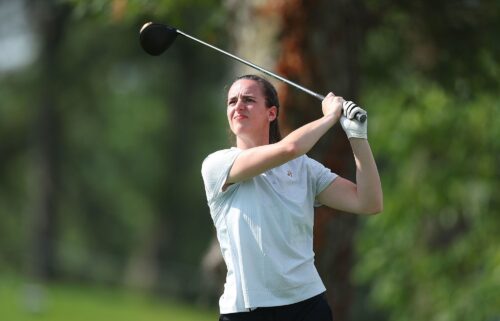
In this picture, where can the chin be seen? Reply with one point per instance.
(238, 129)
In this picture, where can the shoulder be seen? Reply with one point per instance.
(219, 158)
(221, 154)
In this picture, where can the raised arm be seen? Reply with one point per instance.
(364, 196)
(254, 161)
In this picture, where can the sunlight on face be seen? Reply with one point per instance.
(246, 110)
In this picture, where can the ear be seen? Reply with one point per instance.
(272, 113)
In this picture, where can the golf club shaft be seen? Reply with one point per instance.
(359, 116)
(248, 63)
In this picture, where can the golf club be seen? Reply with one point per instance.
(155, 38)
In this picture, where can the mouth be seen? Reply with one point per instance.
(239, 117)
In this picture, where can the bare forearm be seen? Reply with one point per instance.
(301, 140)
(369, 188)
(254, 161)
(258, 159)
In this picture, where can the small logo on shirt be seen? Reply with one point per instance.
(289, 173)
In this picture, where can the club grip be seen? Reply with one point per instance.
(361, 117)
(349, 106)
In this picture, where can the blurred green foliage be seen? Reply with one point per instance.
(434, 252)
(133, 132)
(432, 88)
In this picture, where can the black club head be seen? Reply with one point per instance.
(155, 38)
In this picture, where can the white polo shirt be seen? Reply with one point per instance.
(265, 230)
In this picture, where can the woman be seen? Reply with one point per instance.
(262, 194)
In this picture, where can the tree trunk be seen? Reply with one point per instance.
(50, 19)
(320, 48)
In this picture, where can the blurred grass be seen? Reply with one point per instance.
(21, 301)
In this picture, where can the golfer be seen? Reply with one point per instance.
(261, 194)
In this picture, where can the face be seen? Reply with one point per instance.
(247, 113)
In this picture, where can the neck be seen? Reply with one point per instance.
(246, 143)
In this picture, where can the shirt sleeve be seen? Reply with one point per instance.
(321, 176)
(215, 169)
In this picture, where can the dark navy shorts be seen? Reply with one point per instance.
(313, 309)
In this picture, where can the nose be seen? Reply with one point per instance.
(240, 104)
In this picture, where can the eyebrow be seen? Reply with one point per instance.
(243, 96)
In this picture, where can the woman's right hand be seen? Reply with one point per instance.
(332, 105)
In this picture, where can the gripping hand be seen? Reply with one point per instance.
(352, 127)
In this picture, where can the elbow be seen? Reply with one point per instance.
(376, 204)
(375, 208)
(291, 150)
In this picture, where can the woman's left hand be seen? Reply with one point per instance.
(332, 105)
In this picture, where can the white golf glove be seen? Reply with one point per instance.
(352, 127)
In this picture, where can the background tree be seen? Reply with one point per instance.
(123, 150)
(51, 23)
(320, 47)
(429, 256)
